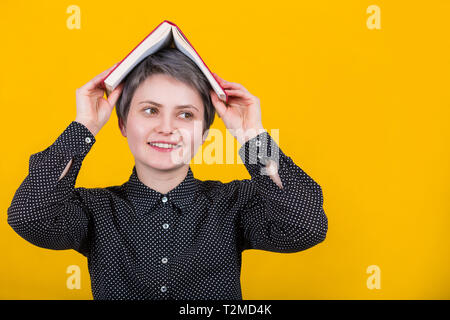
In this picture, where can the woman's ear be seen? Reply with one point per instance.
(122, 128)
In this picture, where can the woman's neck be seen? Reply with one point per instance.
(161, 180)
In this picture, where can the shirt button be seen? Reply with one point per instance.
(165, 226)
(163, 289)
(164, 199)
(258, 143)
(88, 140)
(164, 260)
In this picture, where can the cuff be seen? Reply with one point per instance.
(76, 140)
(257, 151)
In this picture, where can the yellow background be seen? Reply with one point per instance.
(364, 112)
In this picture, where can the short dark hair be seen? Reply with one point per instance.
(172, 62)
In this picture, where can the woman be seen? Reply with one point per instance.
(164, 234)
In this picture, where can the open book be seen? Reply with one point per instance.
(166, 34)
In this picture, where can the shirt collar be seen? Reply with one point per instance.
(145, 199)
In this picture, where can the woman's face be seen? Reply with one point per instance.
(166, 110)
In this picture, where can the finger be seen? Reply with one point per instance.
(110, 68)
(219, 79)
(217, 76)
(98, 79)
(233, 85)
(115, 94)
(237, 93)
(221, 108)
(228, 84)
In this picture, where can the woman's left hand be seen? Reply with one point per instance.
(242, 113)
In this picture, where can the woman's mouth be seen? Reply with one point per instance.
(164, 147)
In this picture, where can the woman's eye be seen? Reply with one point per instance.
(149, 109)
(190, 115)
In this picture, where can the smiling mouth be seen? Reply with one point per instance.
(164, 146)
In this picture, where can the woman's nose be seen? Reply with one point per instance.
(165, 125)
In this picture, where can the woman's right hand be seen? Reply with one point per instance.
(93, 111)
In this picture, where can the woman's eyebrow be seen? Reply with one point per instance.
(177, 107)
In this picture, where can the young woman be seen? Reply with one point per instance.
(164, 234)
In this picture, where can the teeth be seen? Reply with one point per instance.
(164, 145)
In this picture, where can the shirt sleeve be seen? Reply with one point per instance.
(49, 212)
(285, 220)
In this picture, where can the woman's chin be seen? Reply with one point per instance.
(165, 160)
(171, 159)
(162, 164)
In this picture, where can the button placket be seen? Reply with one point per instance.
(165, 249)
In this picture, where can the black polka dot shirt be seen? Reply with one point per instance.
(185, 244)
